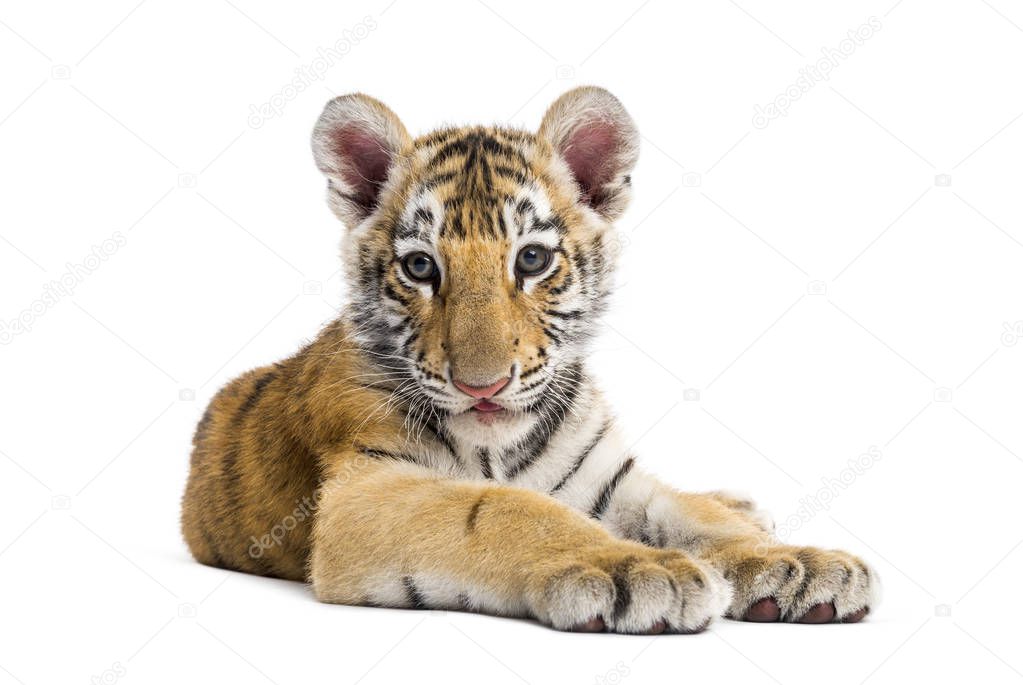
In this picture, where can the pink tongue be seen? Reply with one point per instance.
(487, 405)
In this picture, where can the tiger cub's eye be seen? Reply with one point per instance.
(419, 266)
(532, 259)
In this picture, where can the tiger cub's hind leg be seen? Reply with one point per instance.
(248, 504)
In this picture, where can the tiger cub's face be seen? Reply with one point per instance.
(479, 259)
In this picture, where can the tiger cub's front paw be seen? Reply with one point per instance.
(627, 588)
(800, 585)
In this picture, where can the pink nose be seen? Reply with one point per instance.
(483, 393)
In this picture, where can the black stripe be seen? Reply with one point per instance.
(361, 199)
(423, 215)
(402, 231)
(412, 596)
(645, 538)
(438, 179)
(529, 372)
(580, 259)
(257, 390)
(641, 533)
(384, 454)
(568, 381)
(502, 224)
(431, 376)
(517, 175)
(556, 329)
(392, 294)
(525, 206)
(476, 161)
(231, 478)
(623, 598)
(550, 334)
(604, 498)
(565, 285)
(597, 252)
(475, 142)
(439, 136)
(571, 314)
(548, 423)
(805, 559)
(456, 224)
(438, 431)
(483, 455)
(553, 222)
(531, 386)
(581, 458)
(474, 512)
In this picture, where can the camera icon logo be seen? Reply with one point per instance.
(943, 610)
(618, 244)
(565, 71)
(691, 395)
(60, 502)
(817, 288)
(943, 180)
(187, 610)
(186, 395)
(187, 180)
(942, 394)
(692, 179)
(312, 288)
(60, 72)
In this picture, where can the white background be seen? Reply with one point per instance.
(811, 283)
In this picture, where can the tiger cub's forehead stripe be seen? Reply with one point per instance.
(477, 152)
(473, 144)
(421, 219)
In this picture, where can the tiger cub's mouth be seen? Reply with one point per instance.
(487, 406)
(487, 412)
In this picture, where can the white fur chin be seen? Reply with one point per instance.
(504, 432)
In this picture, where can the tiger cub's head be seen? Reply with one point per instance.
(479, 259)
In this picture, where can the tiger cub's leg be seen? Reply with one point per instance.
(771, 581)
(389, 533)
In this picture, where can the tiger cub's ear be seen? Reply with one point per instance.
(356, 143)
(598, 140)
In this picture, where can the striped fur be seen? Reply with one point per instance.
(358, 465)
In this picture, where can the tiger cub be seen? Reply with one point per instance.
(442, 444)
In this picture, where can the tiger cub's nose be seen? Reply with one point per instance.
(484, 392)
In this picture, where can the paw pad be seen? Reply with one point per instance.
(818, 613)
(764, 611)
(594, 625)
